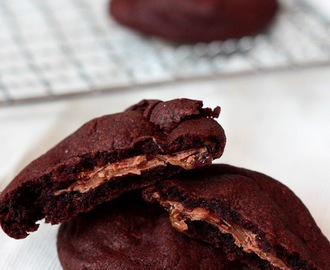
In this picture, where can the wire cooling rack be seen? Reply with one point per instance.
(57, 49)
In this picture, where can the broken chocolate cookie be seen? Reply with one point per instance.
(127, 233)
(108, 156)
(250, 216)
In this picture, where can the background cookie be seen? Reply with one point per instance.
(129, 234)
(108, 156)
(195, 21)
(252, 217)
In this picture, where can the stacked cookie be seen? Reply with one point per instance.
(136, 190)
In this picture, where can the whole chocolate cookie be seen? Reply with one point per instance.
(250, 216)
(129, 234)
(108, 156)
(195, 20)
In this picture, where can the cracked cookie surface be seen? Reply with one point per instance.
(98, 162)
(252, 217)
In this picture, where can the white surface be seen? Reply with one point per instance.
(322, 5)
(278, 124)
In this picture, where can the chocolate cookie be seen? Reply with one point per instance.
(128, 234)
(250, 216)
(108, 156)
(195, 21)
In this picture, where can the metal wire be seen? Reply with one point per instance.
(57, 49)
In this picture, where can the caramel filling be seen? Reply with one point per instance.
(243, 237)
(188, 159)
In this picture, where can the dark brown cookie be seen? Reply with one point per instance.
(252, 217)
(195, 21)
(129, 234)
(108, 156)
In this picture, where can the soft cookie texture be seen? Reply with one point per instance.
(195, 20)
(108, 156)
(129, 234)
(250, 216)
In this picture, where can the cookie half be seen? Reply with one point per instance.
(109, 156)
(195, 21)
(129, 234)
(250, 216)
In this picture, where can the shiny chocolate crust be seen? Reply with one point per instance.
(75, 175)
(250, 216)
(129, 234)
(195, 21)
